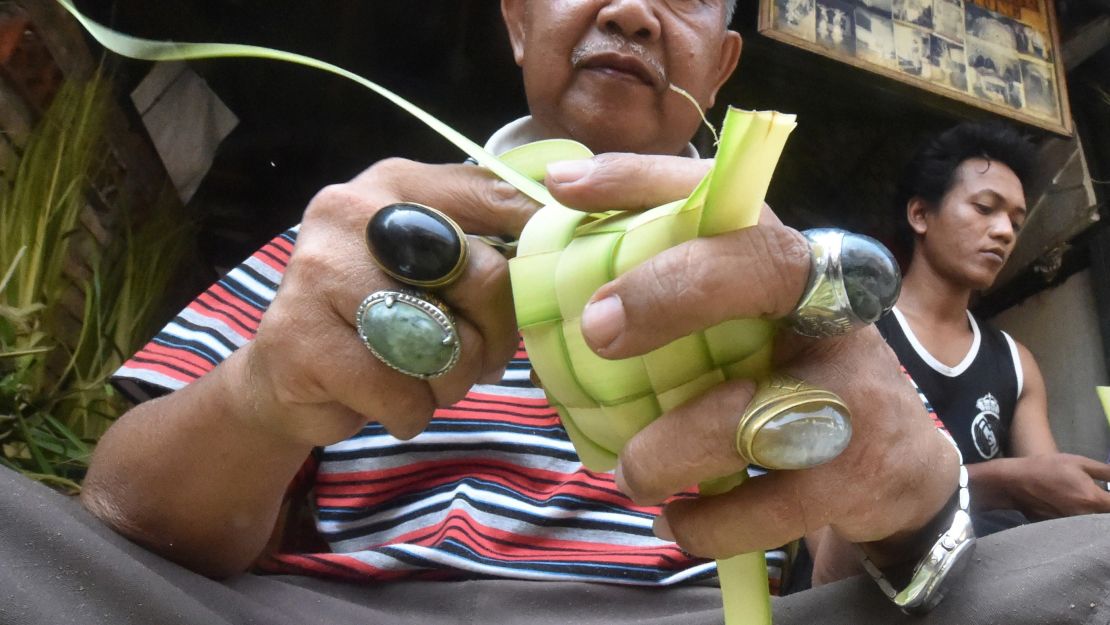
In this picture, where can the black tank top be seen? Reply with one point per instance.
(975, 399)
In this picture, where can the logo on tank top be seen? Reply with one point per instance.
(985, 427)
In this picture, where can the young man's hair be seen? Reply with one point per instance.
(931, 172)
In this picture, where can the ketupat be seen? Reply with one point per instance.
(574, 253)
(564, 256)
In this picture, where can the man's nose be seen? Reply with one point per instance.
(1002, 230)
(634, 19)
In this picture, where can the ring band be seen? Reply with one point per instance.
(410, 333)
(853, 280)
(417, 245)
(791, 424)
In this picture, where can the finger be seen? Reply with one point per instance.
(624, 181)
(1094, 468)
(483, 296)
(687, 445)
(765, 512)
(755, 272)
(333, 267)
(477, 200)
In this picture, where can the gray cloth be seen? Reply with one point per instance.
(59, 565)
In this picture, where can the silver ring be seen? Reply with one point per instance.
(409, 332)
(853, 280)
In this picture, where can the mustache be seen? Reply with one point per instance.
(615, 43)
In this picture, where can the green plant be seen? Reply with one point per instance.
(76, 291)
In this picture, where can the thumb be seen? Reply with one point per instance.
(618, 181)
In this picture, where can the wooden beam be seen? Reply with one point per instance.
(1086, 42)
(1062, 204)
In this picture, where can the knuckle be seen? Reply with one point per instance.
(499, 205)
(332, 200)
(389, 168)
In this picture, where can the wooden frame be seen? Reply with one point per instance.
(1016, 68)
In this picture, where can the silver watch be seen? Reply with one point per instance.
(945, 559)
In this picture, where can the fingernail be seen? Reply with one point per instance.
(602, 321)
(563, 172)
(662, 529)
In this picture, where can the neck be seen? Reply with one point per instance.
(928, 295)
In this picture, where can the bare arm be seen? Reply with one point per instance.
(1038, 480)
(190, 479)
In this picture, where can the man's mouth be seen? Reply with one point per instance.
(996, 252)
(623, 65)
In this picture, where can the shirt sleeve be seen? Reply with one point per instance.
(209, 329)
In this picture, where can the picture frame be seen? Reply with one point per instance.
(999, 55)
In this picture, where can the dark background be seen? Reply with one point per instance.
(301, 129)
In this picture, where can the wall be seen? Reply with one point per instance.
(1060, 328)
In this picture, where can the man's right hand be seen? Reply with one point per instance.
(1045, 486)
(217, 456)
(310, 376)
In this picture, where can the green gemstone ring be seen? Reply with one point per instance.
(411, 333)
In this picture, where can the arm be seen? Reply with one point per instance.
(189, 478)
(198, 476)
(1038, 480)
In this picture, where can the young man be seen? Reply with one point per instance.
(485, 491)
(964, 201)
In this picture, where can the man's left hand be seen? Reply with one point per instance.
(893, 478)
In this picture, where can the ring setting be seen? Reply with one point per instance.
(410, 333)
(853, 280)
(790, 424)
(417, 245)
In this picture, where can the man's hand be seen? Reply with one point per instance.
(1042, 487)
(312, 379)
(218, 455)
(894, 477)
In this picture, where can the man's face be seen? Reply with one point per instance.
(970, 236)
(597, 70)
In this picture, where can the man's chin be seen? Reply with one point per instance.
(621, 131)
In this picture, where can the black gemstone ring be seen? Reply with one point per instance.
(417, 245)
(853, 280)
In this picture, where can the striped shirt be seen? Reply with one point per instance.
(492, 487)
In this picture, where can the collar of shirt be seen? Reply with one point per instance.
(525, 130)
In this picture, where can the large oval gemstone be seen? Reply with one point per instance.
(408, 335)
(416, 244)
(872, 279)
(809, 434)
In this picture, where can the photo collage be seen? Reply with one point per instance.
(956, 45)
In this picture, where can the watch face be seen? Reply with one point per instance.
(948, 556)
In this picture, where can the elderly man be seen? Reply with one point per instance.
(484, 488)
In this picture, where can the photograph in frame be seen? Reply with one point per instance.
(874, 37)
(998, 55)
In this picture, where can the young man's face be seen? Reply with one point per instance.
(597, 70)
(971, 234)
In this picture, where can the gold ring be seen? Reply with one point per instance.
(791, 424)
